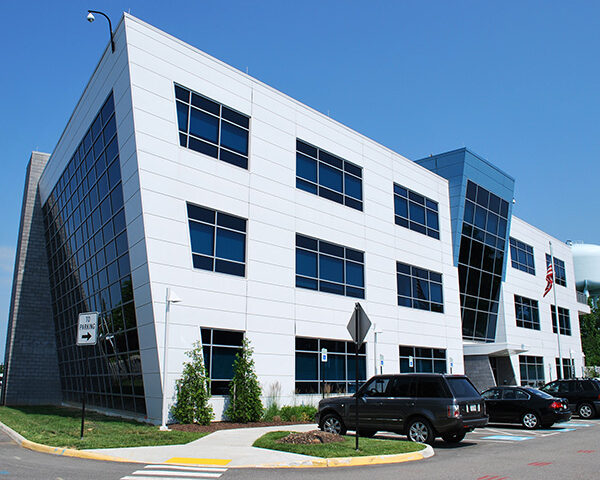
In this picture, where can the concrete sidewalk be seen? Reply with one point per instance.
(231, 448)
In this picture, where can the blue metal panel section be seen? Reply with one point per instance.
(458, 166)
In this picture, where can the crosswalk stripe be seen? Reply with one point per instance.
(160, 473)
(144, 477)
(181, 467)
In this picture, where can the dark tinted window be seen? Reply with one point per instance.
(211, 128)
(539, 393)
(493, 394)
(401, 387)
(430, 388)
(508, 394)
(328, 176)
(377, 387)
(462, 387)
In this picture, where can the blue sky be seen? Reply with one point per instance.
(516, 82)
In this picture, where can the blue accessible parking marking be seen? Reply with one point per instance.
(512, 438)
(575, 425)
(564, 429)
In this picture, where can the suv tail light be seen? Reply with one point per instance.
(453, 411)
(556, 405)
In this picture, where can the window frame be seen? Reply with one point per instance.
(226, 116)
(321, 383)
(402, 193)
(564, 318)
(217, 228)
(327, 160)
(524, 302)
(423, 358)
(324, 252)
(526, 361)
(209, 346)
(559, 269)
(517, 246)
(413, 276)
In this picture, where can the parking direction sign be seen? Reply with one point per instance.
(87, 329)
(324, 355)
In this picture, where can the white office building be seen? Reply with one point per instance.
(268, 220)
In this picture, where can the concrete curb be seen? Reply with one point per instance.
(350, 461)
(309, 463)
(65, 452)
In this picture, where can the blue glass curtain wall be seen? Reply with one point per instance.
(90, 271)
(481, 261)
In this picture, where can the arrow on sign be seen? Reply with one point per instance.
(87, 336)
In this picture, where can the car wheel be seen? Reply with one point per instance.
(585, 410)
(530, 420)
(454, 437)
(367, 433)
(420, 430)
(332, 423)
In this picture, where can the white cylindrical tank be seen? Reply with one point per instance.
(586, 261)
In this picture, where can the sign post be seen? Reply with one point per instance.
(87, 334)
(358, 326)
(323, 362)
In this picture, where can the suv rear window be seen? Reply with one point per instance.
(462, 388)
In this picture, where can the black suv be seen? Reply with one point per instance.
(421, 406)
(583, 394)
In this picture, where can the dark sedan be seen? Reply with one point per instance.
(525, 405)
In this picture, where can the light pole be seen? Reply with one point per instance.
(375, 332)
(170, 298)
(91, 18)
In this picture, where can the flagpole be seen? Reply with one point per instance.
(560, 361)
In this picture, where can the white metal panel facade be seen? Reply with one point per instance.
(266, 304)
(543, 342)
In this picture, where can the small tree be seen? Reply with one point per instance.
(244, 391)
(193, 391)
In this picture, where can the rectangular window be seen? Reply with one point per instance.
(532, 370)
(568, 368)
(218, 240)
(527, 313)
(328, 175)
(337, 374)
(564, 319)
(219, 348)
(211, 128)
(560, 274)
(422, 360)
(416, 212)
(419, 288)
(328, 267)
(521, 256)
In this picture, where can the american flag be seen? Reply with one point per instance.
(549, 279)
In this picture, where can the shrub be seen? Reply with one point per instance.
(193, 391)
(301, 413)
(244, 391)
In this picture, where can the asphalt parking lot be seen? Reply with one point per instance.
(509, 433)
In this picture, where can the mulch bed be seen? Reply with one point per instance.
(214, 426)
(312, 437)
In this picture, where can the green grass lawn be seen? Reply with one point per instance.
(367, 446)
(60, 427)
